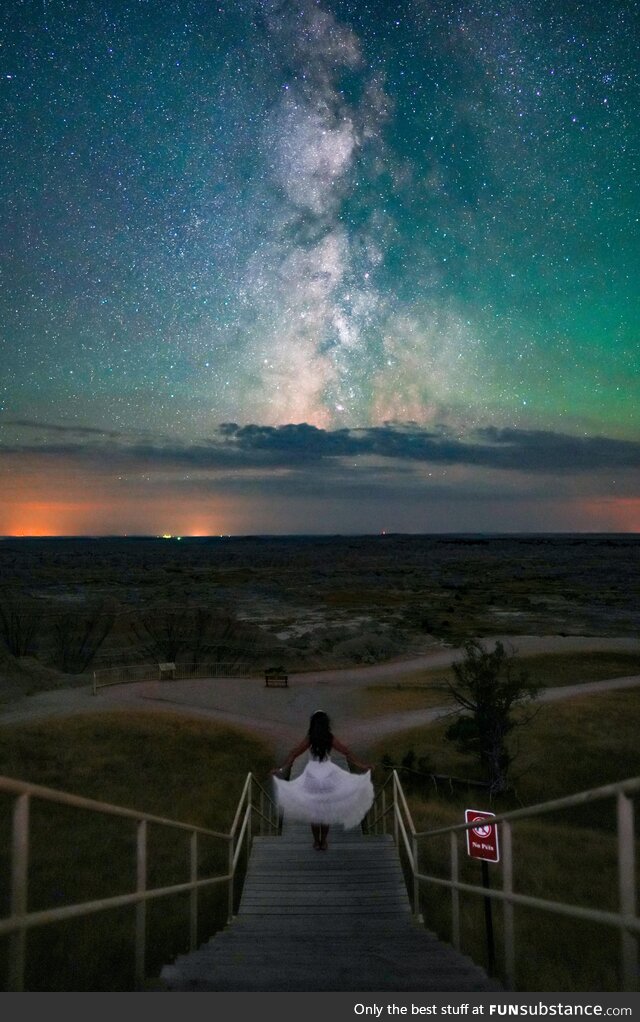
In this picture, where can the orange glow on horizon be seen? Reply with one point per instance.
(614, 514)
(42, 506)
(38, 518)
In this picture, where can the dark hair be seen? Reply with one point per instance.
(320, 736)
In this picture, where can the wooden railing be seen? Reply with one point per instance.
(390, 810)
(254, 801)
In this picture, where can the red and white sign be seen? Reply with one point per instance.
(482, 841)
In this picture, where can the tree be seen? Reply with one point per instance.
(493, 694)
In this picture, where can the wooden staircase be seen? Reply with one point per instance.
(324, 921)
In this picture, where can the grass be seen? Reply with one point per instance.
(553, 669)
(163, 764)
(409, 692)
(429, 688)
(571, 746)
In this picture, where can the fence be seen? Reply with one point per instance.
(253, 800)
(106, 676)
(390, 801)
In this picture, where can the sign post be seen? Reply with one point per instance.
(482, 843)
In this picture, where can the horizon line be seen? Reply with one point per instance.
(315, 535)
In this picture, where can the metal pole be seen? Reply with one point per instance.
(416, 882)
(488, 920)
(627, 891)
(382, 825)
(19, 888)
(455, 894)
(395, 810)
(230, 870)
(193, 898)
(141, 906)
(507, 887)
(250, 804)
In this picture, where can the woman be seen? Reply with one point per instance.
(324, 793)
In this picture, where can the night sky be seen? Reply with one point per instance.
(277, 267)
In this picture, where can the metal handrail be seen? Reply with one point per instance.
(14, 787)
(20, 920)
(625, 920)
(373, 824)
(632, 784)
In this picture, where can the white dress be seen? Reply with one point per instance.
(325, 793)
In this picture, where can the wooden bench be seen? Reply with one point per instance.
(276, 677)
(166, 671)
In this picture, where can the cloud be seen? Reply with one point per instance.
(387, 448)
(301, 478)
(508, 449)
(543, 451)
(52, 427)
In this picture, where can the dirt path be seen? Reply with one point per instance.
(367, 731)
(280, 714)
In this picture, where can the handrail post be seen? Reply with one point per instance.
(250, 807)
(383, 821)
(261, 812)
(455, 893)
(231, 871)
(193, 898)
(507, 887)
(627, 890)
(272, 814)
(19, 889)
(395, 808)
(416, 882)
(141, 906)
(273, 811)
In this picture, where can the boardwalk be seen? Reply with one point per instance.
(320, 921)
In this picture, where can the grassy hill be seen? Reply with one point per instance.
(160, 763)
(570, 856)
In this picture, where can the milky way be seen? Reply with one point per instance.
(338, 214)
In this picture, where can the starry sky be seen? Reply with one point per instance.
(319, 266)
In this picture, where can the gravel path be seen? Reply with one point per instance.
(280, 714)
